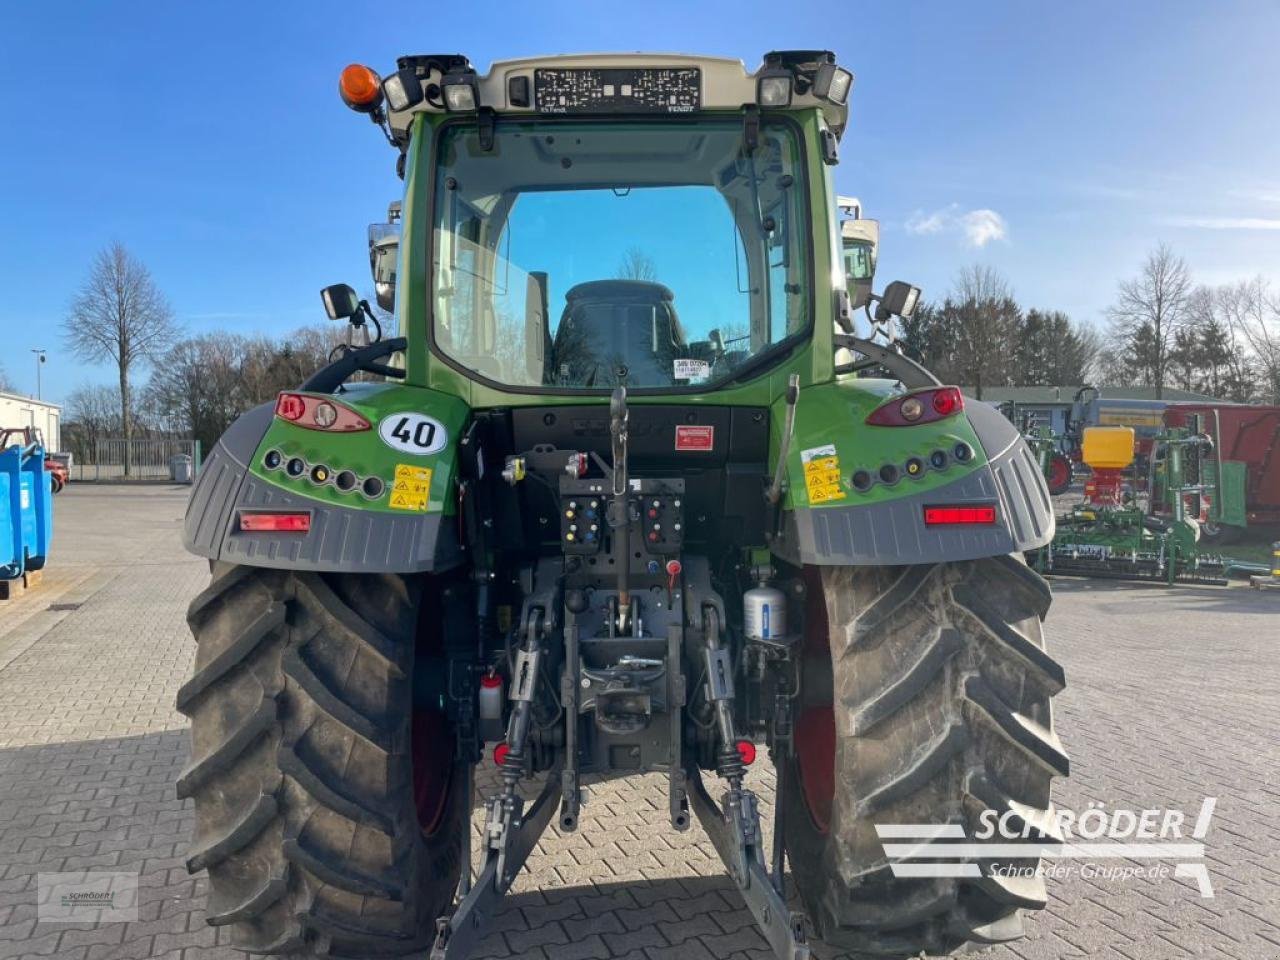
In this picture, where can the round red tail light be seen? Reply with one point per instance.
(947, 401)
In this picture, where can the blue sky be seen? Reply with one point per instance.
(1056, 142)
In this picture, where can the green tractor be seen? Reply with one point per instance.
(634, 490)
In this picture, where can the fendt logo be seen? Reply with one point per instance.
(1085, 844)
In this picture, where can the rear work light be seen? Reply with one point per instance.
(977, 516)
(319, 413)
(920, 406)
(275, 522)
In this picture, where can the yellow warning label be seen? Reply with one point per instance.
(411, 487)
(822, 474)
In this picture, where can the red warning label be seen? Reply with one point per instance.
(695, 438)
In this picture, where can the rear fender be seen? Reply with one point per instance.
(404, 522)
(827, 520)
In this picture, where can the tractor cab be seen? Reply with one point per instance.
(859, 245)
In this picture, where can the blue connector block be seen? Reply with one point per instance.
(26, 511)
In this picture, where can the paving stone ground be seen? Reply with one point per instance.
(1173, 697)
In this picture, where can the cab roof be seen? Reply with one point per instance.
(620, 84)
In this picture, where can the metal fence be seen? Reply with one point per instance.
(147, 459)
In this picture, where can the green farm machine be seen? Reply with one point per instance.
(642, 483)
(1112, 534)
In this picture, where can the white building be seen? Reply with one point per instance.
(19, 411)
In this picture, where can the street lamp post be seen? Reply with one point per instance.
(40, 359)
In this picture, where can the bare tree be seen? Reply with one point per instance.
(205, 382)
(1220, 317)
(986, 326)
(119, 314)
(1149, 310)
(637, 265)
(92, 414)
(6, 385)
(1252, 312)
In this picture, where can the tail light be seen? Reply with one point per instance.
(319, 413)
(920, 406)
(982, 515)
(275, 522)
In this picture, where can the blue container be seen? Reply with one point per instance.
(26, 511)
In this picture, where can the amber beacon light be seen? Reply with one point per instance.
(361, 88)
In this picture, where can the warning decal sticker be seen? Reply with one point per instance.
(822, 474)
(411, 486)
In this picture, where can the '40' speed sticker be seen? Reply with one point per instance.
(413, 433)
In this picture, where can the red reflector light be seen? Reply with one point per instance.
(747, 751)
(275, 522)
(500, 754)
(319, 413)
(290, 406)
(959, 516)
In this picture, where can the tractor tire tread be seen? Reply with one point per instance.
(224, 755)
(305, 817)
(232, 657)
(297, 668)
(253, 905)
(941, 692)
(241, 834)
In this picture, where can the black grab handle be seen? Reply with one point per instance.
(329, 378)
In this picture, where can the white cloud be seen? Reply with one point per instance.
(983, 226)
(920, 222)
(1263, 194)
(978, 227)
(1225, 223)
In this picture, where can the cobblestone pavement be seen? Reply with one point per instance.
(1173, 696)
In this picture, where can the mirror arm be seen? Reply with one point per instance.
(904, 368)
(369, 315)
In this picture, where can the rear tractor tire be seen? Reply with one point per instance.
(329, 811)
(1059, 474)
(924, 700)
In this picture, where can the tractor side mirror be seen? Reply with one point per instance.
(859, 243)
(340, 301)
(899, 299)
(384, 257)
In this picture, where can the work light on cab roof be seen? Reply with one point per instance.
(615, 84)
